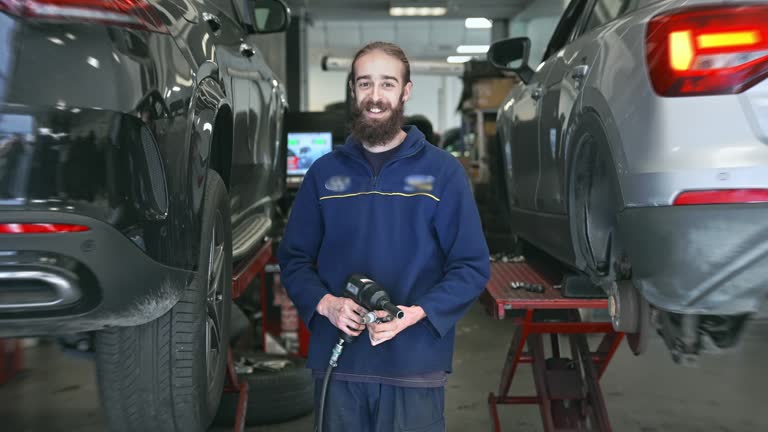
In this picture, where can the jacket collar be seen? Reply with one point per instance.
(413, 143)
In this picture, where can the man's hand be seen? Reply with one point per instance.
(383, 332)
(343, 313)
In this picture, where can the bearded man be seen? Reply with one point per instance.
(400, 211)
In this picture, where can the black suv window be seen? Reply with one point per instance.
(243, 8)
(605, 11)
(565, 28)
(226, 7)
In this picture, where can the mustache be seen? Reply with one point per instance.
(368, 104)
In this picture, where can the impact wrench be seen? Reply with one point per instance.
(371, 296)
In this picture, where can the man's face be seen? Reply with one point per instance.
(379, 97)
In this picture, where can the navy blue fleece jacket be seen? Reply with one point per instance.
(414, 229)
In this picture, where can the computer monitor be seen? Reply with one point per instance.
(304, 148)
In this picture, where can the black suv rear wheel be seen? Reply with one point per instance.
(168, 374)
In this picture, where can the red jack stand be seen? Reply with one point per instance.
(242, 276)
(276, 326)
(234, 386)
(11, 359)
(567, 389)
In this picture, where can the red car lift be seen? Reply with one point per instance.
(11, 359)
(242, 276)
(276, 328)
(567, 389)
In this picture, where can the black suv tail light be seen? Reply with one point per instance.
(128, 13)
(39, 228)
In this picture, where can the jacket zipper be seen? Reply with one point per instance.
(375, 178)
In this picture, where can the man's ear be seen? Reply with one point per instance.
(407, 91)
(352, 87)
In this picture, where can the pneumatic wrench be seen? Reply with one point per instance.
(370, 295)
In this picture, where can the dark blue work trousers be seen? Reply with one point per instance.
(367, 407)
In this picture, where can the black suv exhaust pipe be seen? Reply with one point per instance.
(32, 288)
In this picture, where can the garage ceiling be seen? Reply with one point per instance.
(341, 27)
(421, 39)
(379, 9)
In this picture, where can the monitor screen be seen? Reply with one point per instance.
(304, 148)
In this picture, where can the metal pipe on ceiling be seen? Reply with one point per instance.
(422, 67)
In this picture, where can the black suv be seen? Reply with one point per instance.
(141, 153)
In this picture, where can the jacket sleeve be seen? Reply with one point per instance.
(299, 249)
(467, 267)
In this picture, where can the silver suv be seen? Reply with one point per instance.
(636, 153)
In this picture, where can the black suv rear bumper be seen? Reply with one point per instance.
(80, 281)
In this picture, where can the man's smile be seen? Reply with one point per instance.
(375, 113)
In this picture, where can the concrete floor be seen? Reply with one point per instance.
(57, 393)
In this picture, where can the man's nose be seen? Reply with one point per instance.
(376, 94)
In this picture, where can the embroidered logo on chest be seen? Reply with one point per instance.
(419, 183)
(338, 183)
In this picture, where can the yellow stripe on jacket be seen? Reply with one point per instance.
(382, 193)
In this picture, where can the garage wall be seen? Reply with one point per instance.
(436, 97)
(325, 87)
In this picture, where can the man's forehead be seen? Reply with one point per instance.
(378, 65)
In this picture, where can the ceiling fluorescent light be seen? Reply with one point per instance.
(458, 59)
(478, 23)
(439, 11)
(417, 11)
(472, 49)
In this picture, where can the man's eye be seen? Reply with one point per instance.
(388, 85)
(364, 85)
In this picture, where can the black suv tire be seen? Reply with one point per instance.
(161, 376)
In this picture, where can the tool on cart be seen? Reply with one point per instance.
(372, 297)
(530, 287)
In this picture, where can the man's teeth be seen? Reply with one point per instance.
(375, 110)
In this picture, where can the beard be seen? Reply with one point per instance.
(376, 132)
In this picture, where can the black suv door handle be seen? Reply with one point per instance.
(246, 50)
(213, 21)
